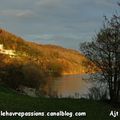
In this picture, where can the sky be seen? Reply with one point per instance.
(61, 22)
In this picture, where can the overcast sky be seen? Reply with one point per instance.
(62, 22)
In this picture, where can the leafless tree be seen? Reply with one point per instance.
(104, 52)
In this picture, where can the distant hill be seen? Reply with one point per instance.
(49, 57)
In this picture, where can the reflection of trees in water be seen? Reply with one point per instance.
(70, 86)
(91, 90)
(48, 88)
(99, 91)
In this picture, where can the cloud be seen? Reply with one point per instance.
(16, 13)
(48, 2)
(1, 21)
(105, 2)
(56, 39)
(58, 21)
(24, 13)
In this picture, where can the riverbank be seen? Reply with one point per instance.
(78, 73)
(12, 101)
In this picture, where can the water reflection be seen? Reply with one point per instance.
(68, 86)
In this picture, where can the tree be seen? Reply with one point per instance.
(34, 77)
(104, 52)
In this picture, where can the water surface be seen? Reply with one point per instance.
(69, 86)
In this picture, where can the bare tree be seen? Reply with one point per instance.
(104, 52)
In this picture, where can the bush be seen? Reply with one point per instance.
(95, 93)
(28, 75)
(12, 76)
(55, 69)
(33, 76)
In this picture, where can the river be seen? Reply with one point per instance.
(73, 86)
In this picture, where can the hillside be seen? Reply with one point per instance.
(70, 61)
(33, 65)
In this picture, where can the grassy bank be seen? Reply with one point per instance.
(12, 101)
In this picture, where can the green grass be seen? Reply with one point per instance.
(12, 101)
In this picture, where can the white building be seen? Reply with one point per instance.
(1, 47)
(11, 53)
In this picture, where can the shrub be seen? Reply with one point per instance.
(55, 69)
(33, 76)
(29, 75)
(12, 76)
